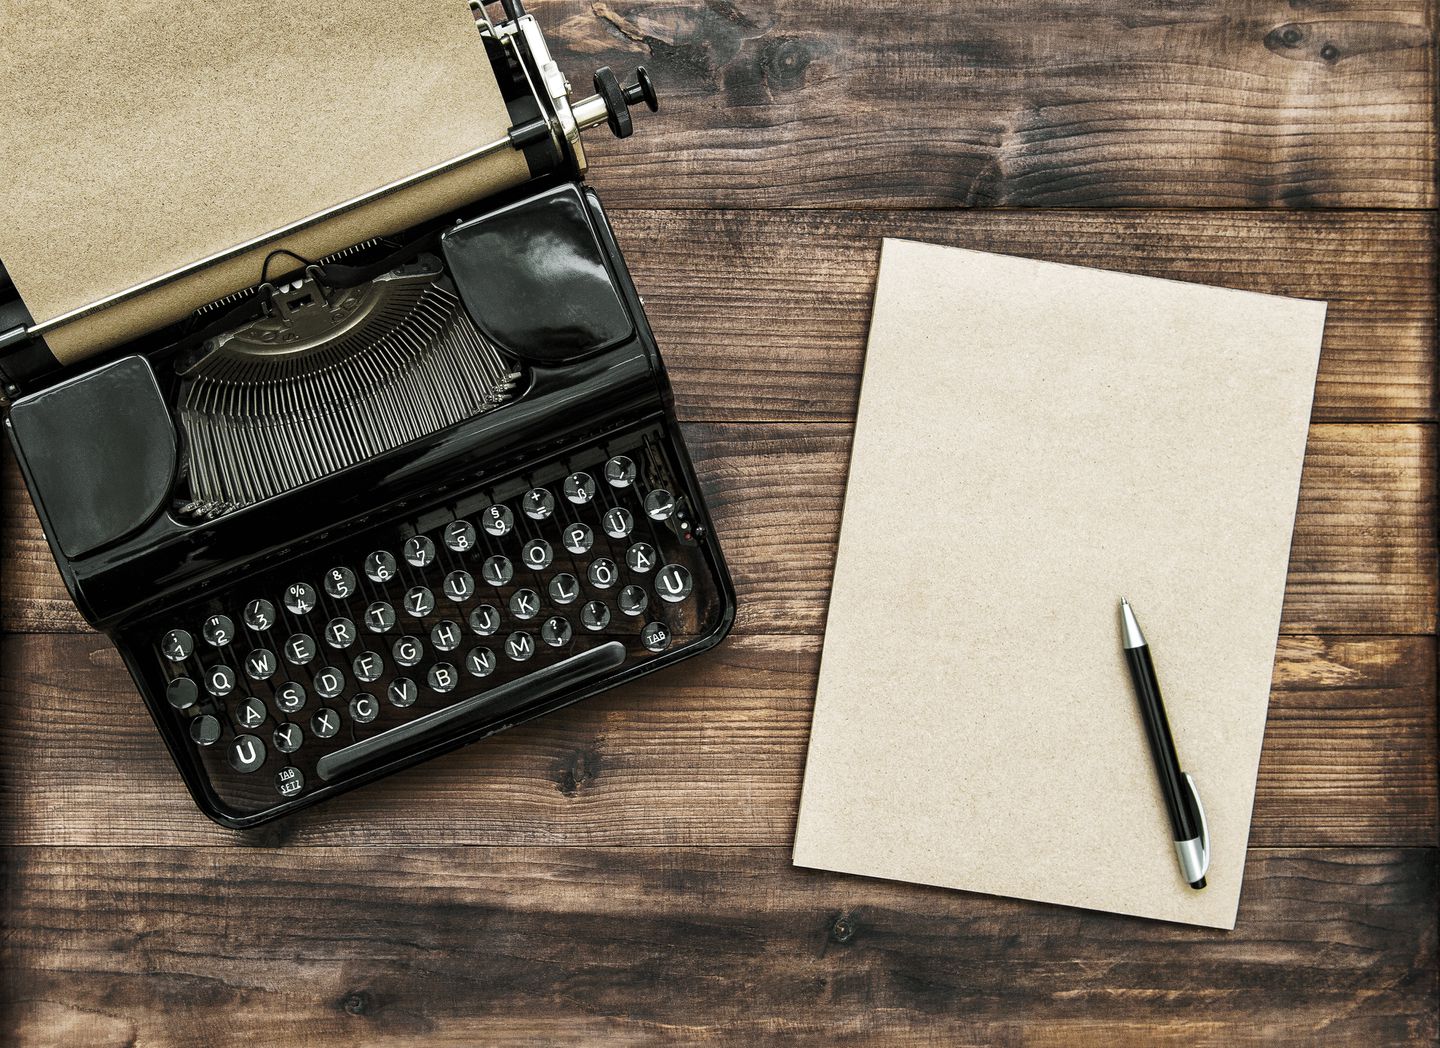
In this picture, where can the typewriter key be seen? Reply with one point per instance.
(459, 585)
(525, 604)
(555, 632)
(480, 662)
(659, 504)
(602, 573)
(619, 522)
(261, 664)
(442, 677)
(368, 666)
(460, 535)
(177, 645)
(300, 649)
(537, 554)
(579, 538)
(485, 620)
(641, 557)
(288, 737)
(674, 583)
(580, 488)
(519, 646)
(497, 570)
(340, 582)
(380, 566)
(419, 552)
(329, 682)
(402, 692)
(250, 713)
(380, 617)
(300, 598)
(408, 651)
(340, 632)
(564, 588)
(419, 602)
(539, 504)
(246, 753)
(446, 635)
(219, 681)
(498, 521)
(290, 697)
(218, 630)
(259, 615)
(325, 724)
(620, 471)
(632, 600)
(205, 730)
(595, 616)
(364, 708)
(289, 781)
(655, 636)
(182, 693)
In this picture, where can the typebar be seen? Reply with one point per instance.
(531, 688)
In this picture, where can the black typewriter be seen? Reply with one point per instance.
(382, 503)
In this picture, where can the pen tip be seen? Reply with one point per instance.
(1197, 885)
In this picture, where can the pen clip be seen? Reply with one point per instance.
(1204, 826)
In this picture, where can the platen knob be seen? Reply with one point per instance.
(618, 99)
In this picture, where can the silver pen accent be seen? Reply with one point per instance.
(1194, 854)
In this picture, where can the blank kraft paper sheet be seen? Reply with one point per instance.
(1034, 441)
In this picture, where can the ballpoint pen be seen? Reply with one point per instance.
(1182, 799)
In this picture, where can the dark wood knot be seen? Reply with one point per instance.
(578, 768)
(843, 928)
(783, 62)
(357, 1002)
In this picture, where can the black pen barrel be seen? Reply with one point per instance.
(1162, 745)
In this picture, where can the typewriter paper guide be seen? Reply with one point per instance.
(143, 137)
(1035, 441)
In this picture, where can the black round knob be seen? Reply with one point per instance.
(617, 109)
(642, 90)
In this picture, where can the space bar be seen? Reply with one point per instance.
(497, 701)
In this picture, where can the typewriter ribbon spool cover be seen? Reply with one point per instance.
(142, 138)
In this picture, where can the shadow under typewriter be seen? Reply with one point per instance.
(397, 513)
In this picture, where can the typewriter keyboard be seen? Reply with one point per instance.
(500, 600)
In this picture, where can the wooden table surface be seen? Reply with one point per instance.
(619, 872)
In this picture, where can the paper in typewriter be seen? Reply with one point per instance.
(1034, 442)
(142, 137)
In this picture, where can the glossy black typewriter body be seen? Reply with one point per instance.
(388, 503)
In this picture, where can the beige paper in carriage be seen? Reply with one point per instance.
(142, 137)
(1035, 441)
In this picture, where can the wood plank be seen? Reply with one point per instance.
(1252, 103)
(763, 315)
(708, 753)
(458, 946)
(1363, 559)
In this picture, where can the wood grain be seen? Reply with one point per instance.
(708, 753)
(762, 315)
(1247, 103)
(459, 946)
